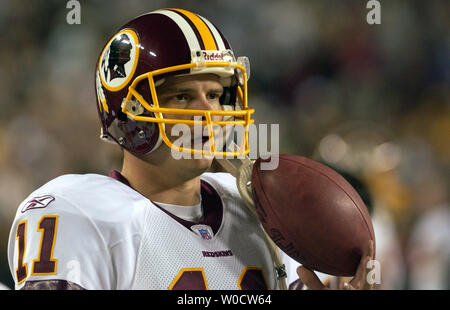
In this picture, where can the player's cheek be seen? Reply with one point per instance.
(216, 106)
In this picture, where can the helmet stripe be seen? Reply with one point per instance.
(194, 29)
(217, 37)
(202, 28)
(187, 30)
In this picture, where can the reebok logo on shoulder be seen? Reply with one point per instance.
(38, 202)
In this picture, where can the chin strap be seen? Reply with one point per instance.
(242, 170)
(244, 186)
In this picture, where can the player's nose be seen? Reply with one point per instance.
(202, 103)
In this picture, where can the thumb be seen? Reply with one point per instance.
(310, 279)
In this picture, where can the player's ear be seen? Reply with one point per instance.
(228, 96)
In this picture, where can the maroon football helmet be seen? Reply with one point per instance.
(138, 59)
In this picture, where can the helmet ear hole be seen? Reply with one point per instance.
(229, 96)
(121, 116)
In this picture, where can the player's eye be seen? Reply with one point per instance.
(181, 97)
(213, 96)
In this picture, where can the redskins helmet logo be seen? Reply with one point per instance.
(100, 94)
(118, 60)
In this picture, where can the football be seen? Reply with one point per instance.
(313, 214)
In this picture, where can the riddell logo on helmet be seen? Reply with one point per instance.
(212, 56)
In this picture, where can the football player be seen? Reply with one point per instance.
(162, 222)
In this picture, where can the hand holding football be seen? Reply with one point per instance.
(313, 214)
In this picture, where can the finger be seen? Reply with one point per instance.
(310, 279)
(359, 279)
(342, 281)
(371, 249)
(368, 249)
(368, 285)
(347, 286)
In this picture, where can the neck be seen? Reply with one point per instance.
(165, 182)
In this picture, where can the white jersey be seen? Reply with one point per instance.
(99, 233)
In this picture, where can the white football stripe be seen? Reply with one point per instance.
(220, 44)
(184, 26)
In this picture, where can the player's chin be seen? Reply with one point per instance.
(197, 166)
(200, 162)
(198, 158)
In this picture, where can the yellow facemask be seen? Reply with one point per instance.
(134, 105)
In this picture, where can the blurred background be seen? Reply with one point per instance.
(370, 100)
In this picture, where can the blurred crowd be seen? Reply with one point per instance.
(370, 100)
